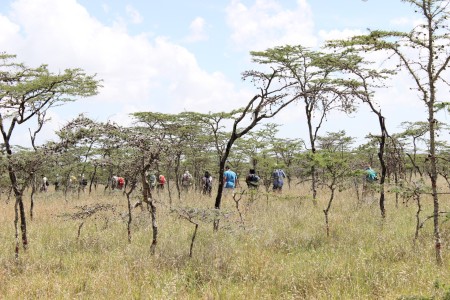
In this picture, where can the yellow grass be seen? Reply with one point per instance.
(283, 252)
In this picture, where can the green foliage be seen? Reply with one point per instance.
(25, 90)
(408, 190)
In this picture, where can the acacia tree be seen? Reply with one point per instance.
(82, 144)
(274, 95)
(336, 171)
(364, 80)
(424, 53)
(26, 92)
(257, 141)
(314, 79)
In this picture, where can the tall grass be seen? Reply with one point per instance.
(280, 252)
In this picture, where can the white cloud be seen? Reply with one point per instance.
(137, 71)
(268, 24)
(134, 15)
(192, 88)
(197, 30)
(9, 35)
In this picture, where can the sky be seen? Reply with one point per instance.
(176, 55)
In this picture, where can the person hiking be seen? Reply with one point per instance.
(229, 180)
(277, 176)
(57, 182)
(371, 175)
(152, 181)
(120, 183)
(368, 188)
(44, 185)
(252, 179)
(83, 183)
(186, 181)
(207, 183)
(161, 182)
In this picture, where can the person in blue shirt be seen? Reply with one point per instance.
(229, 180)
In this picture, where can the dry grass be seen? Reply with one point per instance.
(283, 252)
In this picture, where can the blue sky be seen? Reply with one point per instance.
(175, 55)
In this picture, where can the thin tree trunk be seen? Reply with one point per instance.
(356, 185)
(433, 178)
(130, 218)
(220, 183)
(193, 240)
(383, 165)
(314, 184)
(23, 222)
(419, 209)
(177, 174)
(148, 198)
(33, 191)
(154, 226)
(396, 184)
(327, 210)
(19, 200)
(92, 178)
(16, 229)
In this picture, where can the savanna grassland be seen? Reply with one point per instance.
(280, 251)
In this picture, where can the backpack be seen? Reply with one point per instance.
(152, 180)
(371, 175)
(121, 181)
(47, 183)
(84, 182)
(252, 179)
(277, 174)
(162, 179)
(186, 179)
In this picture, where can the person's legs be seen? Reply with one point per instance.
(228, 191)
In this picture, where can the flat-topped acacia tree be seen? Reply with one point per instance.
(274, 95)
(424, 54)
(362, 81)
(25, 93)
(314, 78)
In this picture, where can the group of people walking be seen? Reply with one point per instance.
(230, 181)
(253, 180)
(157, 182)
(72, 183)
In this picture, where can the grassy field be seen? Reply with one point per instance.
(280, 251)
